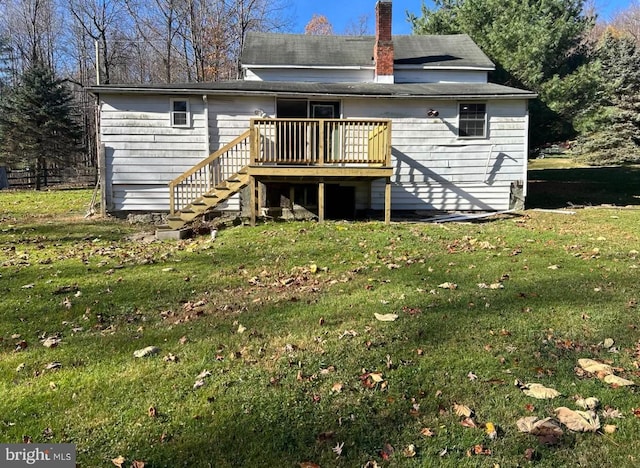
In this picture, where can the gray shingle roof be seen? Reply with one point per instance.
(341, 51)
(280, 88)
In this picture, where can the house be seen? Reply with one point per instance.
(334, 125)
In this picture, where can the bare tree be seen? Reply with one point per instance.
(31, 27)
(159, 24)
(100, 21)
(628, 20)
(358, 27)
(255, 15)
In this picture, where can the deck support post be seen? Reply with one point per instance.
(321, 201)
(253, 185)
(387, 201)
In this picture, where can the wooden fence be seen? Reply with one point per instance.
(52, 177)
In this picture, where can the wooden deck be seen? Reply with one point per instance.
(311, 150)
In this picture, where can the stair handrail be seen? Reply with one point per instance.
(213, 177)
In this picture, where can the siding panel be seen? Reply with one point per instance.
(436, 170)
(144, 153)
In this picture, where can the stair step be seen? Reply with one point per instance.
(175, 223)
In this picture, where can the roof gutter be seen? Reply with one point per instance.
(200, 92)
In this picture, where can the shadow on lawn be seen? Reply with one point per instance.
(559, 188)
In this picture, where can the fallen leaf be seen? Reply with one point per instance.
(617, 381)
(337, 387)
(480, 450)
(578, 421)
(387, 451)
(526, 424)
(241, 329)
(376, 377)
(595, 367)
(386, 317)
(170, 358)
(409, 451)
(539, 391)
(553, 267)
(529, 454)
(462, 410)
(338, 448)
(119, 461)
(471, 376)
(20, 367)
(198, 384)
(153, 412)
(547, 430)
(144, 352)
(53, 365)
(610, 428)
(51, 342)
(205, 373)
(448, 285)
(137, 464)
(590, 403)
(308, 465)
(427, 432)
(491, 431)
(608, 343)
(468, 422)
(612, 413)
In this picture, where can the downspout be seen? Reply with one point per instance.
(102, 173)
(205, 101)
(525, 173)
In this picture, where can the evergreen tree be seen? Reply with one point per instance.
(612, 127)
(535, 44)
(36, 123)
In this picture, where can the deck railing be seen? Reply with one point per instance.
(321, 141)
(312, 142)
(212, 171)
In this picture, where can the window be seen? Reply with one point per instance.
(472, 120)
(179, 113)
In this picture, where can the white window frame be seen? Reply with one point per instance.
(484, 122)
(173, 113)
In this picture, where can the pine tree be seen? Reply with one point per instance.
(612, 133)
(36, 123)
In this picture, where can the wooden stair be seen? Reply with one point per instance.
(208, 184)
(209, 200)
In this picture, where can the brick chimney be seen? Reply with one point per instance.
(383, 50)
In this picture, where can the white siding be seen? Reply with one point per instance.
(229, 117)
(440, 76)
(337, 75)
(144, 152)
(436, 170)
(313, 75)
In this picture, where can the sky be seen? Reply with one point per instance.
(343, 12)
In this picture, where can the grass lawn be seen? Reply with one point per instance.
(269, 352)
